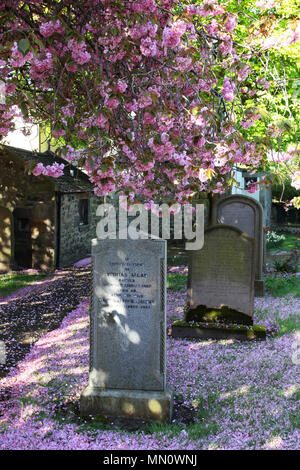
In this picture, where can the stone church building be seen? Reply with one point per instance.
(45, 222)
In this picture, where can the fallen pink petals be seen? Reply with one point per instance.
(241, 395)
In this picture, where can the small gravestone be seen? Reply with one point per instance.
(247, 214)
(128, 331)
(220, 297)
(221, 277)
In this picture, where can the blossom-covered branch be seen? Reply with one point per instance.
(146, 95)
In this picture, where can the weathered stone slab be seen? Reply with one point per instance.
(217, 331)
(247, 214)
(221, 277)
(135, 404)
(128, 329)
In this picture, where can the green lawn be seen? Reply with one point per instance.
(287, 244)
(281, 286)
(176, 282)
(12, 282)
(276, 286)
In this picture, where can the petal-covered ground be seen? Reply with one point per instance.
(38, 308)
(241, 395)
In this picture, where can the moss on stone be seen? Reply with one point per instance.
(218, 315)
(250, 331)
(258, 328)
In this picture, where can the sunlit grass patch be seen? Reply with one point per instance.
(176, 282)
(288, 325)
(12, 282)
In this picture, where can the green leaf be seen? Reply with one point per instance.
(24, 109)
(23, 46)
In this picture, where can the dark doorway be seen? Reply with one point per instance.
(83, 212)
(5, 239)
(22, 238)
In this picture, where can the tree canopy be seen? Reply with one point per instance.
(155, 97)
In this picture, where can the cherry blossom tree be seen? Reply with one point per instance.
(148, 96)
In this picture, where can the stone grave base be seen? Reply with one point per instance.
(217, 331)
(259, 288)
(140, 404)
(227, 315)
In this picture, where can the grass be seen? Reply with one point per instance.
(282, 286)
(288, 325)
(287, 244)
(176, 282)
(12, 282)
(276, 286)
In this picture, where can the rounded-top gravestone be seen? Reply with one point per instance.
(247, 214)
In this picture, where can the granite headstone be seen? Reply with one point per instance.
(128, 331)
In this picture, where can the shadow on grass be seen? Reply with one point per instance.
(70, 413)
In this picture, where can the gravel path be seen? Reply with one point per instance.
(24, 319)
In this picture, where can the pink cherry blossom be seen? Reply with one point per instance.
(231, 23)
(50, 28)
(149, 47)
(203, 175)
(143, 79)
(111, 103)
(79, 52)
(121, 86)
(227, 90)
(56, 170)
(100, 121)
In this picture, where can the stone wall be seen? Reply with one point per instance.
(28, 198)
(75, 238)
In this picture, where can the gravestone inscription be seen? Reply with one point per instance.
(128, 331)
